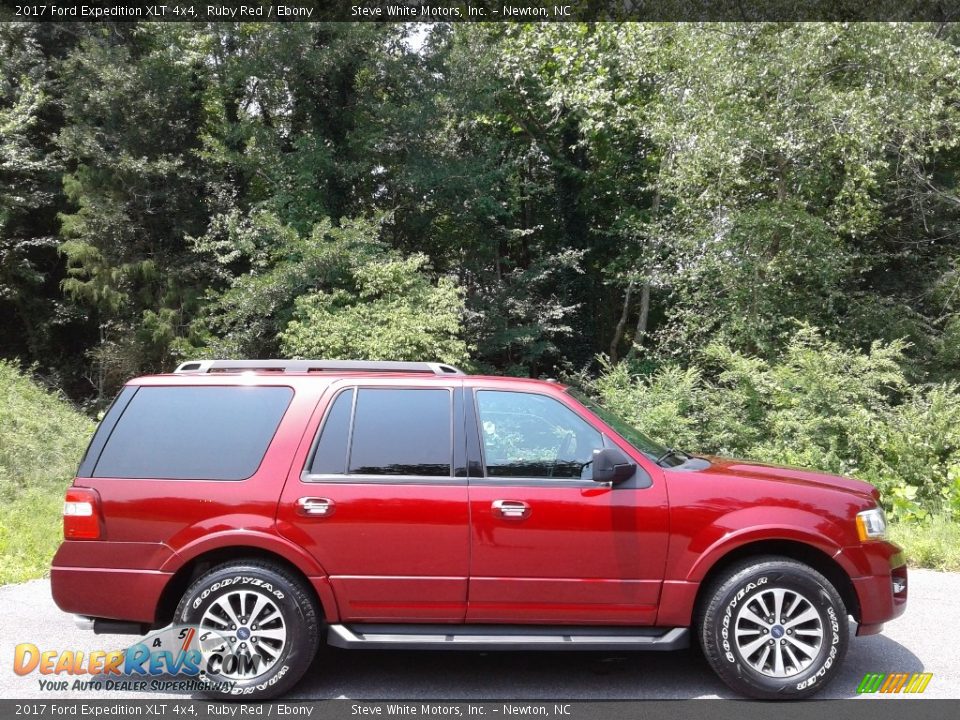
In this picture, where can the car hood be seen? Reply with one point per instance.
(778, 473)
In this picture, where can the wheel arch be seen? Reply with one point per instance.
(798, 550)
(201, 562)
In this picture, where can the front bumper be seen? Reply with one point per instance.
(882, 587)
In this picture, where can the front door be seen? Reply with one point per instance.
(377, 503)
(549, 545)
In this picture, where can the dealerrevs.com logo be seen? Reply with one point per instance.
(894, 683)
(176, 659)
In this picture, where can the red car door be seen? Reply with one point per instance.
(549, 545)
(373, 495)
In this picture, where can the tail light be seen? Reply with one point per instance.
(81, 514)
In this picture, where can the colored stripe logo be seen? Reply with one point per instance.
(894, 683)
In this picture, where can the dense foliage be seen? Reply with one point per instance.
(672, 206)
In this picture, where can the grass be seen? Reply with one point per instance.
(934, 544)
(42, 438)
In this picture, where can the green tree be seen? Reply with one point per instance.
(632, 189)
(393, 313)
(135, 178)
(245, 319)
(39, 324)
(803, 180)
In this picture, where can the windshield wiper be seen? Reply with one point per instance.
(670, 453)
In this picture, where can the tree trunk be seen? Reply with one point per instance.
(641, 331)
(621, 323)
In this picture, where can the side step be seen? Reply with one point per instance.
(506, 637)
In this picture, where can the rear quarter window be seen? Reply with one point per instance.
(193, 433)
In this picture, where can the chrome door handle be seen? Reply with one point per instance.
(513, 509)
(315, 506)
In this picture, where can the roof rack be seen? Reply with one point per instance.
(316, 366)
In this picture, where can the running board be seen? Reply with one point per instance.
(506, 637)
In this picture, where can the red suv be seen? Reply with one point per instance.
(277, 504)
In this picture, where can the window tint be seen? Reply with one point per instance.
(104, 430)
(202, 433)
(330, 457)
(528, 435)
(401, 432)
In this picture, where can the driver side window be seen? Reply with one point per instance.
(534, 436)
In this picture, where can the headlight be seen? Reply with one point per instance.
(871, 525)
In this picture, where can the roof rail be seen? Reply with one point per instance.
(316, 366)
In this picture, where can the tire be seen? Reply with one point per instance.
(779, 660)
(286, 643)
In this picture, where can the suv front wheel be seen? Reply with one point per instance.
(773, 628)
(257, 629)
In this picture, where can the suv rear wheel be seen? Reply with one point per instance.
(773, 627)
(257, 628)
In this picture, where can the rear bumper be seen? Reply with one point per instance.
(882, 594)
(108, 593)
(95, 578)
(115, 594)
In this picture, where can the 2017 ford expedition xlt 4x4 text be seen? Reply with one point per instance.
(274, 505)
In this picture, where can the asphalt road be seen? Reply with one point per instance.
(924, 639)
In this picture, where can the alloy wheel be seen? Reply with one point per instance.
(248, 628)
(778, 632)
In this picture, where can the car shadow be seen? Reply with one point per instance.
(471, 675)
(871, 654)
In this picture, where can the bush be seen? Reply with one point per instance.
(819, 406)
(42, 439)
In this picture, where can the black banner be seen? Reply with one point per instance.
(938, 11)
(163, 709)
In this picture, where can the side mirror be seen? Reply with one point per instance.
(610, 465)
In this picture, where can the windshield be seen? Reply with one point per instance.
(649, 447)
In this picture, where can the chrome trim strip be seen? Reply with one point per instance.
(493, 637)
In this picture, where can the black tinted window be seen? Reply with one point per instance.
(203, 433)
(401, 432)
(330, 457)
(104, 429)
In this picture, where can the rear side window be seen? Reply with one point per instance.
(193, 433)
(386, 431)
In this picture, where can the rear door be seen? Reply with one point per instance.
(549, 545)
(377, 494)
